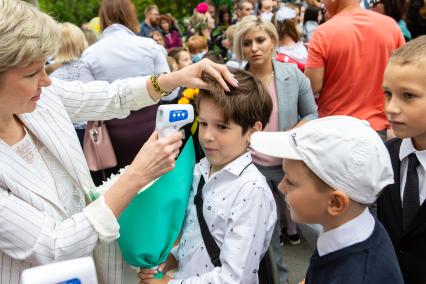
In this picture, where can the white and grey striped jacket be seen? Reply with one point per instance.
(34, 229)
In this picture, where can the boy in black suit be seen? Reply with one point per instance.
(402, 207)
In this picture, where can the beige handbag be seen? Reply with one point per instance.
(97, 147)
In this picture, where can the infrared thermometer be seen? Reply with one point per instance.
(170, 118)
(75, 271)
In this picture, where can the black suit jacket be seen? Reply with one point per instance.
(410, 245)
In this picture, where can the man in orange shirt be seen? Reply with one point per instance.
(347, 56)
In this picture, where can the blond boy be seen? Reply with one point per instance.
(401, 207)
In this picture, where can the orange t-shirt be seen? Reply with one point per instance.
(354, 48)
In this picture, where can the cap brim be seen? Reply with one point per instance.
(275, 144)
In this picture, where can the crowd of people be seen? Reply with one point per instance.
(307, 112)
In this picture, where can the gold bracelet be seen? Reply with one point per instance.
(157, 88)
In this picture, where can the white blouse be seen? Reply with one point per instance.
(37, 155)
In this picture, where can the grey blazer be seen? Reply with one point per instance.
(295, 98)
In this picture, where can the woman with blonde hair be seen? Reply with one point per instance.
(67, 64)
(44, 179)
(255, 40)
(73, 43)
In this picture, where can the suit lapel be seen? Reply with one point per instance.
(18, 174)
(57, 133)
(281, 85)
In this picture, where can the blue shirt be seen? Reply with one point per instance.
(121, 54)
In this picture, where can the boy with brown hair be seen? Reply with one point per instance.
(334, 168)
(402, 207)
(230, 200)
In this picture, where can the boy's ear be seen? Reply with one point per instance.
(257, 126)
(338, 203)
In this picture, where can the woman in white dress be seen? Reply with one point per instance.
(44, 179)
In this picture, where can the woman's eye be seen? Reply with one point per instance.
(246, 43)
(260, 40)
(203, 124)
(31, 75)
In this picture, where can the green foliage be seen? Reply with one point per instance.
(79, 11)
(74, 11)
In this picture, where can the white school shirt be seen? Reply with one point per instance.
(240, 212)
(355, 231)
(406, 149)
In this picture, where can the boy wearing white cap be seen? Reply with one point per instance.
(335, 167)
(402, 207)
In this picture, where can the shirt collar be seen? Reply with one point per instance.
(116, 28)
(352, 232)
(407, 148)
(236, 167)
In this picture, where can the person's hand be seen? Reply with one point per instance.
(191, 77)
(156, 157)
(146, 276)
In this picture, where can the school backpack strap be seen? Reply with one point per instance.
(211, 245)
(267, 273)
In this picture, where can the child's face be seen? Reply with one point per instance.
(221, 142)
(184, 59)
(405, 91)
(307, 203)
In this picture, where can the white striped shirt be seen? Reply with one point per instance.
(34, 227)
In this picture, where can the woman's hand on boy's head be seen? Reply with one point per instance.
(191, 76)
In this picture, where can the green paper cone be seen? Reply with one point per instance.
(152, 222)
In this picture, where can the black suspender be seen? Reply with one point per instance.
(211, 245)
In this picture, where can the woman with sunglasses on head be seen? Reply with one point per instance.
(255, 40)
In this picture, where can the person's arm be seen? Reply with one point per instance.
(32, 235)
(156, 157)
(160, 60)
(86, 74)
(99, 100)
(315, 65)
(316, 76)
(306, 106)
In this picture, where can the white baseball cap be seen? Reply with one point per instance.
(343, 151)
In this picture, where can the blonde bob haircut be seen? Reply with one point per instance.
(248, 24)
(27, 35)
(73, 43)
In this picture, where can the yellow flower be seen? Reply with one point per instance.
(188, 93)
(183, 101)
(196, 91)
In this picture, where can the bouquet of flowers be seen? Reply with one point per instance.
(151, 223)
